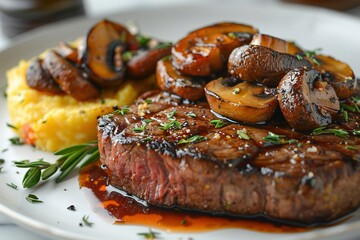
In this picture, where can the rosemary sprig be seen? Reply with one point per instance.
(278, 139)
(69, 159)
(337, 132)
(149, 235)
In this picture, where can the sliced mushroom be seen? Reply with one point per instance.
(276, 44)
(241, 101)
(37, 77)
(171, 80)
(68, 52)
(263, 65)
(69, 78)
(206, 50)
(143, 64)
(102, 56)
(339, 74)
(307, 101)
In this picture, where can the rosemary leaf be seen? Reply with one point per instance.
(66, 171)
(12, 185)
(49, 171)
(92, 158)
(31, 177)
(33, 199)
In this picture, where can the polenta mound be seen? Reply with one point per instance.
(53, 122)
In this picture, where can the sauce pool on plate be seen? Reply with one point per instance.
(127, 209)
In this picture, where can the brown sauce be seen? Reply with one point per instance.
(127, 210)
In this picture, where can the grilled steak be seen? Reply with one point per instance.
(172, 153)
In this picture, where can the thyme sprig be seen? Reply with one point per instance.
(335, 131)
(69, 159)
(86, 222)
(149, 235)
(278, 139)
(310, 54)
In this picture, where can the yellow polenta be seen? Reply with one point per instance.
(52, 122)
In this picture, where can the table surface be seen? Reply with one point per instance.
(93, 8)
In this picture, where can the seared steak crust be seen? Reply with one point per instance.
(169, 153)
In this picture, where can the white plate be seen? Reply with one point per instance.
(335, 33)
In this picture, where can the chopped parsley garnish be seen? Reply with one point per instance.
(356, 132)
(193, 139)
(218, 123)
(2, 161)
(278, 139)
(337, 132)
(33, 199)
(148, 101)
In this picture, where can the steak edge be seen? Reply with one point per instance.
(314, 180)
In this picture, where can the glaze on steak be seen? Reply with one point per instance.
(313, 180)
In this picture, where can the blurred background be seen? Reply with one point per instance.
(19, 16)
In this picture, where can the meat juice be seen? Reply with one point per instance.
(126, 209)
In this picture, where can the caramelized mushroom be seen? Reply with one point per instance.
(69, 78)
(169, 79)
(37, 77)
(339, 74)
(306, 101)
(276, 44)
(143, 64)
(102, 56)
(262, 65)
(241, 101)
(67, 52)
(206, 50)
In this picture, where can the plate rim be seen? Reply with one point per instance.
(49, 230)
